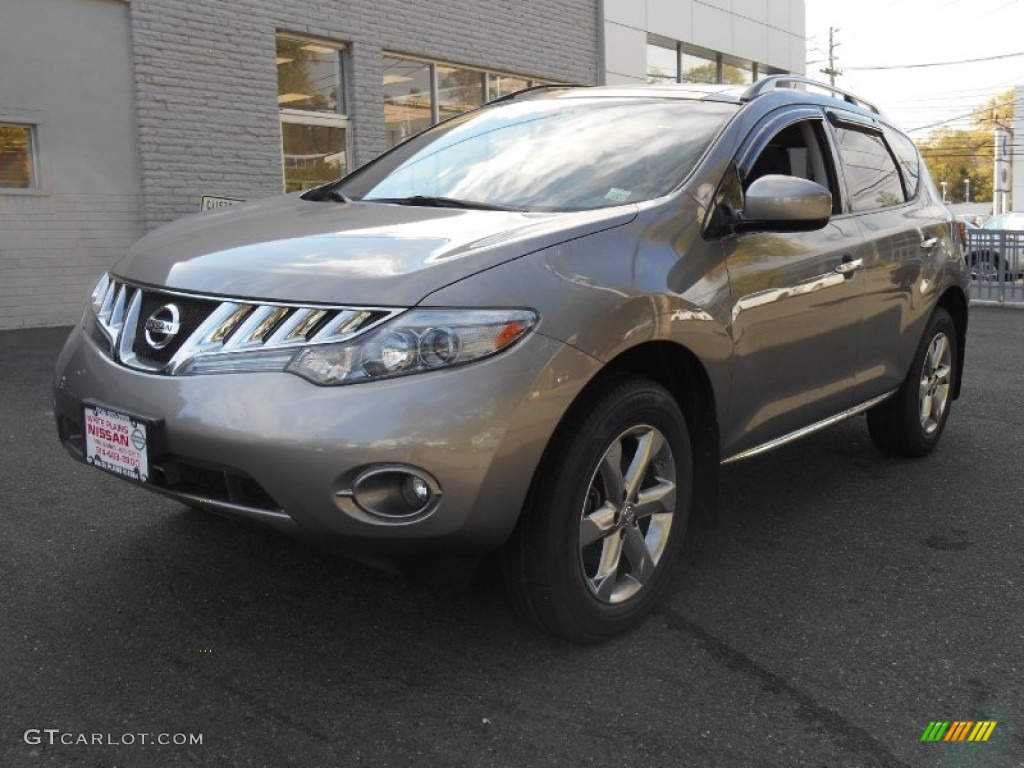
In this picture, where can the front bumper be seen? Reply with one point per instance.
(275, 448)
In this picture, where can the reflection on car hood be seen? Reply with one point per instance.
(289, 249)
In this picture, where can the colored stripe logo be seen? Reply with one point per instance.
(958, 730)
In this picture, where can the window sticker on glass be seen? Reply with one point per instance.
(617, 195)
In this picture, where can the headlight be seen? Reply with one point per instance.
(420, 340)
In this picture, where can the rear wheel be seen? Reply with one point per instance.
(606, 513)
(911, 422)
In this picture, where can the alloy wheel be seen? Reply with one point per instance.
(936, 375)
(627, 514)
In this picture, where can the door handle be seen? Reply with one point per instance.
(930, 243)
(849, 266)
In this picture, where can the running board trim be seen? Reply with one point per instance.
(805, 431)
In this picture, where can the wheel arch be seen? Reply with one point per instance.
(954, 301)
(680, 371)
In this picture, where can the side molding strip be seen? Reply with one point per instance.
(816, 427)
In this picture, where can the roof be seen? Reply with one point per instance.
(726, 92)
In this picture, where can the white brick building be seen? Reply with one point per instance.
(119, 115)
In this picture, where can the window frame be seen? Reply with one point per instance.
(35, 187)
(339, 119)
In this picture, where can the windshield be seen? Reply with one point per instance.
(1011, 221)
(549, 154)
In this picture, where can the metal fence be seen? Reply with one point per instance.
(996, 261)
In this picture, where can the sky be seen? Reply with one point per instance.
(897, 33)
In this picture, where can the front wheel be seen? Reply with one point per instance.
(911, 422)
(606, 513)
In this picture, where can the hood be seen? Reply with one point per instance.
(289, 249)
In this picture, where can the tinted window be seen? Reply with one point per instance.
(909, 160)
(871, 176)
(550, 154)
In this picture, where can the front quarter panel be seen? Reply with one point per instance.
(654, 279)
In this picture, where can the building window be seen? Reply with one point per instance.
(670, 61)
(315, 132)
(459, 90)
(408, 104)
(503, 85)
(662, 60)
(737, 71)
(698, 67)
(419, 93)
(17, 157)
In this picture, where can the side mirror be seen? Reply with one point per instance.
(785, 204)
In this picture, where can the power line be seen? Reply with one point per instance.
(968, 115)
(938, 63)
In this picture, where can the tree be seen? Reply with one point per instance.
(954, 154)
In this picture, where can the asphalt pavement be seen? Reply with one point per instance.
(845, 601)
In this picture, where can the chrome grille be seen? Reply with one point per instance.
(215, 325)
(192, 314)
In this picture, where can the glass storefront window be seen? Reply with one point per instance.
(313, 154)
(311, 97)
(308, 76)
(698, 69)
(662, 61)
(503, 85)
(407, 100)
(737, 72)
(458, 90)
(17, 167)
(419, 93)
(669, 61)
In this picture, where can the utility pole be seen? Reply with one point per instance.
(832, 72)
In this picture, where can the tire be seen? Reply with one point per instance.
(606, 513)
(911, 422)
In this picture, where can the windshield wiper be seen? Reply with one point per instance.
(428, 201)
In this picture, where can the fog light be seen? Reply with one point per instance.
(416, 492)
(390, 494)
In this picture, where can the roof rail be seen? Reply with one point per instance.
(540, 87)
(774, 82)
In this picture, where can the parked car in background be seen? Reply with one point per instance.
(972, 220)
(537, 329)
(996, 249)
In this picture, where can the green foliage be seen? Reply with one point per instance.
(953, 155)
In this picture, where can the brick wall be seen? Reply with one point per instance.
(66, 70)
(54, 247)
(206, 80)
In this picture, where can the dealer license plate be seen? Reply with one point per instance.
(117, 442)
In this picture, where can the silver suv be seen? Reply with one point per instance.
(536, 329)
